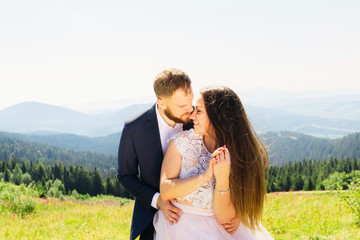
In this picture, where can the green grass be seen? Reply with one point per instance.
(293, 215)
(309, 215)
(67, 219)
(96, 218)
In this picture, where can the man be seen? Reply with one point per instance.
(143, 144)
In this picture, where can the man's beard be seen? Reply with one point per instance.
(171, 116)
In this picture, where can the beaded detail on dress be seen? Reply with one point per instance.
(195, 158)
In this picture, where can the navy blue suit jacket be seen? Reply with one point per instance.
(140, 157)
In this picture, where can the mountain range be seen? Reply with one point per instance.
(39, 118)
(291, 128)
(327, 117)
(283, 147)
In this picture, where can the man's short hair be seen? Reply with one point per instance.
(170, 80)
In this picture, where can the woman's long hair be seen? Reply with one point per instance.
(249, 158)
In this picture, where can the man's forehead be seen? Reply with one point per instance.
(183, 93)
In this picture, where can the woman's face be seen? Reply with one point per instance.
(201, 120)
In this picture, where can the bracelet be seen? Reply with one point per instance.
(222, 192)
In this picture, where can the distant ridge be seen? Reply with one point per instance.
(33, 116)
(44, 118)
(329, 117)
(15, 145)
(283, 147)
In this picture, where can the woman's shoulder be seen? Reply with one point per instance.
(186, 140)
(187, 134)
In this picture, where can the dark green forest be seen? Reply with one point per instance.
(283, 147)
(72, 178)
(308, 174)
(49, 155)
(27, 162)
(305, 175)
(106, 145)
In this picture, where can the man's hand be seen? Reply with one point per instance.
(171, 213)
(232, 226)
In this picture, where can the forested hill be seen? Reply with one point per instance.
(33, 151)
(285, 147)
(108, 144)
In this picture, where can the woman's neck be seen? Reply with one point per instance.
(210, 143)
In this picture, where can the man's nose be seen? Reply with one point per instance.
(193, 114)
(191, 109)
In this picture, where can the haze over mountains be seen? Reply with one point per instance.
(283, 122)
(318, 115)
(283, 147)
(39, 118)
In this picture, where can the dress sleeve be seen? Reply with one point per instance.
(182, 141)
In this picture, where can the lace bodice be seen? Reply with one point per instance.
(195, 158)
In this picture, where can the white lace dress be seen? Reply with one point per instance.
(197, 222)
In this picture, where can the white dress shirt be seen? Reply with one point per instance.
(166, 132)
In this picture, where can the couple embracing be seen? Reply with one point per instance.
(196, 172)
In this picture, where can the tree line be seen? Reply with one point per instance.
(308, 174)
(304, 175)
(95, 173)
(66, 178)
(107, 144)
(22, 149)
(285, 147)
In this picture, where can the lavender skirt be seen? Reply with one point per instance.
(201, 224)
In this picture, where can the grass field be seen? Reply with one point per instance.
(309, 215)
(67, 219)
(288, 215)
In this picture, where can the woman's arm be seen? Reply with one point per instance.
(171, 186)
(223, 207)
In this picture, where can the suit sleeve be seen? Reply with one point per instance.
(128, 173)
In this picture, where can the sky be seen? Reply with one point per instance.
(82, 52)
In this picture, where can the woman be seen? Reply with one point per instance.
(212, 189)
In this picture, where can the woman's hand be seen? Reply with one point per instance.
(221, 165)
(232, 226)
(209, 172)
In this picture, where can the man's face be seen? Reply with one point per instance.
(178, 107)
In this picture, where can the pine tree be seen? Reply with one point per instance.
(66, 179)
(3, 166)
(31, 169)
(308, 186)
(7, 175)
(118, 189)
(57, 172)
(298, 183)
(83, 182)
(23, 166)
(319, 181)
(354, 164)
(110, 188)
(40, 172)
(98, 187)
(285, 182)
(17, 175)
(14, 161)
